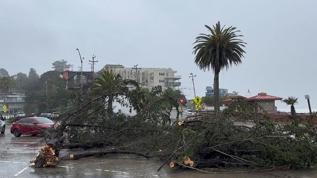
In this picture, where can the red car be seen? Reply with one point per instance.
(30, 126)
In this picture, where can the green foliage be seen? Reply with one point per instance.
(109, 86)
(48, 94)
(151, 105)
(263, 145)
(208, 100)
(21, 82)
(218, 49)
(109, 83)
(291, 101)
(33, 77)
(239, 137)
(241, 109)
(60, 65)
(172, 98)
(6, 83)
(4, 73)
(158, 105)
(243, 137)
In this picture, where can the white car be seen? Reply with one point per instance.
(2, 125)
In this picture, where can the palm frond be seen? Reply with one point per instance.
(290, 100)
(222, 40)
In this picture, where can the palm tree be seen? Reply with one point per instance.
(110, 85)
(217, 50)
(291, 101)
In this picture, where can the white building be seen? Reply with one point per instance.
(148, 77)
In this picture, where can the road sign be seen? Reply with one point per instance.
(5, 108)
(198, 103)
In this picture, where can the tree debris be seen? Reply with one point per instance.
(46, 157)
(237, 137)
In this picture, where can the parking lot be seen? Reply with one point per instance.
(16, 153)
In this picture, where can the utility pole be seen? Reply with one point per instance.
(93, 61)
(191, 75)
(307, 97)
(81, 71)
(137, 69)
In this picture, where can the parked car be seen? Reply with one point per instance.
(51, 116)
(47, 115)
(30, 126)
(20, 114)
(2, 124)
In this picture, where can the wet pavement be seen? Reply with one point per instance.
(16, 153)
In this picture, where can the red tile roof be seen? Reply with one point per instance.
(263, 97)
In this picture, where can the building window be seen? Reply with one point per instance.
(161, 81)
(161, 73)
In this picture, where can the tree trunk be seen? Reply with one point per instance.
(110, 101)
(293, 112)
(216, 82)
(216, 92)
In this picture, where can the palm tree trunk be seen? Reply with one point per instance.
(110, 101)
(293, 112)
(216, 82)
(216, 92)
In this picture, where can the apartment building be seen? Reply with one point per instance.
(210, 91)
(147, 77)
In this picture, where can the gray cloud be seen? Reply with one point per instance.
(280, 36)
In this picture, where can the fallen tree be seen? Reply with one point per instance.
(227, 141)
(236, 137)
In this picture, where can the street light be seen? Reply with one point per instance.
(307, 97)
(191, 75)
(81, 70)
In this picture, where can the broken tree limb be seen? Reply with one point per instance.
(234, 157)
(88, 153)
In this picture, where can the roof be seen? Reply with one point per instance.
(230, 99)
(263, 97)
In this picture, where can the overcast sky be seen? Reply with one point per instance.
(280, 34)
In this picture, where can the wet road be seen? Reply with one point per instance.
(15, 154)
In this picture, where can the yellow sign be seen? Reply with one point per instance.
(5, 108)
(198, 101)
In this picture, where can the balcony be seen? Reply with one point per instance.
(173, 78)
(173, 84)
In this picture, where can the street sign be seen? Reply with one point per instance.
(5, 108)
(182, 100)
(198, 103)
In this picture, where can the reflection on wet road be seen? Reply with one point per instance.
(15, 154)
